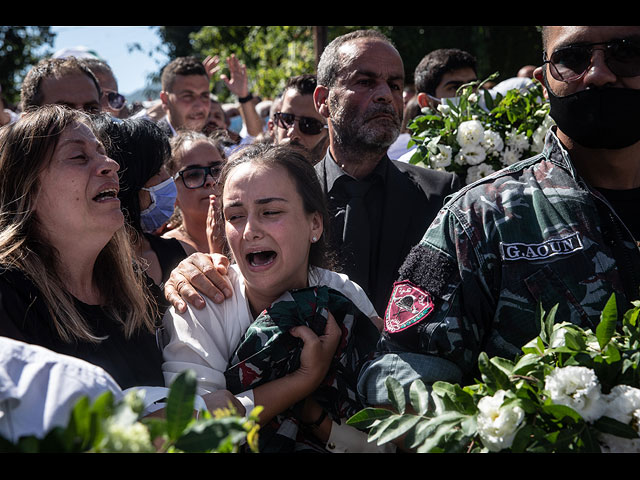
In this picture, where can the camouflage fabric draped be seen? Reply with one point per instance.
(268, 352)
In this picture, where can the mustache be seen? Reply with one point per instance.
(384, 109)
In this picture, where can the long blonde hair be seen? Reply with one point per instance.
(26, 149)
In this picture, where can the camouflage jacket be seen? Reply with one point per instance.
(531, 233)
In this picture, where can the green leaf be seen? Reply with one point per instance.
(365, 418)
(550, 321)
(397, 427)
(436, 438)
(615, 427)
(180, 404)
(493, 376)
(608, 319)
(212, 435)
(396, 394)
(419, 397)
(590, 441)
(574, 340)
(561, 412)
(526, 364)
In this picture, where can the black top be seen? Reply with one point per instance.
(24, 316)
(625, 203)
(170, 252)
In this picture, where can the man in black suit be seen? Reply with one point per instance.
(360, 85)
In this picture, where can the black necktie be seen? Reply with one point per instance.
(356, 235)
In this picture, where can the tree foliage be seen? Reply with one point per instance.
(20, 48)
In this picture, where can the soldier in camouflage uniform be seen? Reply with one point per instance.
(539, 231)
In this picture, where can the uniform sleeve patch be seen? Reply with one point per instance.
(408, 306)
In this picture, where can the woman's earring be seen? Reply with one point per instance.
(314, 240)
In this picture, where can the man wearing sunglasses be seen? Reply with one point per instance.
(297, 122)
(112, 102)
(560, 228)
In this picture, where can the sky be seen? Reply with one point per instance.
(111, 44)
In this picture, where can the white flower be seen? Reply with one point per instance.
(470, 133)
(127, 438)
(492, 141)
(473, 98)
(444, 109)
(517, 141)
(477, 172)
(443, 157)
(510, 156)
(622, 404)
(498, 423)
(577, 388)
(471, 155)
(614, 444)
(537, 139)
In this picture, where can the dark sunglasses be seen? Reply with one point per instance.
(116, 100)
(196, 177)
(307, 125)
(570, 63)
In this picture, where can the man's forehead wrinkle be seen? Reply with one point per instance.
(350, 53)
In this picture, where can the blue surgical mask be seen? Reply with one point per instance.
(236, 124)
(163, 199)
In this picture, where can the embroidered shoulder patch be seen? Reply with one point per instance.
(540, 251)
(408, 306)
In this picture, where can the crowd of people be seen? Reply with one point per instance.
(300, 263)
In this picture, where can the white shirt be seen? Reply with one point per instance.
(39, 388)
(204, 341)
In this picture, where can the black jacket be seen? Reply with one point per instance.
(412, 197)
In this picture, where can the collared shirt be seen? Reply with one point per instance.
(39, 388)
(533, 233)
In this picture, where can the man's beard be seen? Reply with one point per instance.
(356, 133)
(314, 154)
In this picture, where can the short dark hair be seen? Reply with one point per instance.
(141, 149)
(303, 84)
(180, 66)
(429, 72)
(31, 91)
(299, 167)
(217, 139)
(331, 62)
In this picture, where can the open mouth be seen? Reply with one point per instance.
(108, 194)
(261, 259)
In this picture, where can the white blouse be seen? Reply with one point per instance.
(204, 340)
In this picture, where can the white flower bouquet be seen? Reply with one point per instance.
(571, 390)
(481, 133)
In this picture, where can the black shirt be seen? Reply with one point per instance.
(24, 316)
(626, 204)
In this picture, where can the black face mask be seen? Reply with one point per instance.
(599, 117)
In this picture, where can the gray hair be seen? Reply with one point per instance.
(331, 62)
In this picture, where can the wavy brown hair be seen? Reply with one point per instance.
(26, 149)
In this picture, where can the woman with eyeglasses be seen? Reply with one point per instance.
(69, 279)
(147, 192)
(195, 164)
